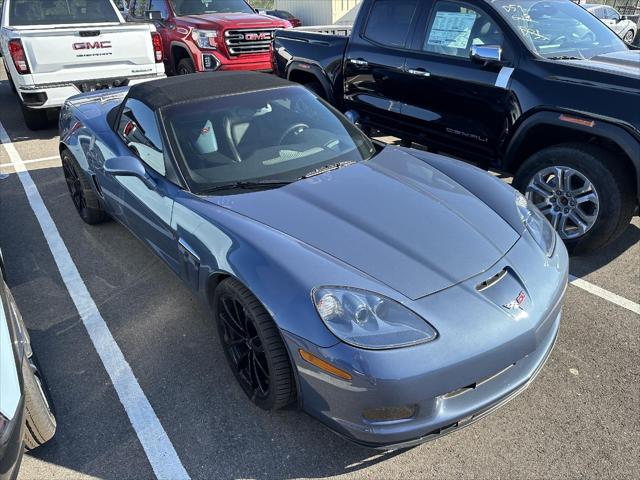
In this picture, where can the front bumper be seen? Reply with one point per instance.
(484, 357)
(213, 60)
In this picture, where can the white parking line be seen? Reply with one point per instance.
(606, 294)
(155, 441)
(27, 162)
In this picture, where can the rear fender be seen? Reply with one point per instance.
(317, 72)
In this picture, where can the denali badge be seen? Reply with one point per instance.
(91, 45)
(517, 303)
(253, 37)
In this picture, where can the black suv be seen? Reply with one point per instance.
(541, 89)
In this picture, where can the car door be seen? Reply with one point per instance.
(453, 102)
(612, 19)
(147, 210)
(375, 58)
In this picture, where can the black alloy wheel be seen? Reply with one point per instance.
(75, 187)
(244, 347)
(84, 197)
(253, 346)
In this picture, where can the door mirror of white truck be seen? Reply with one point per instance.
(154, 15)
(486, 54)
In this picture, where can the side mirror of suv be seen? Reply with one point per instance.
(486, 54)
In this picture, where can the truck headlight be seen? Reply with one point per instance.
(205, 39)
(537, 225)
(368, 320)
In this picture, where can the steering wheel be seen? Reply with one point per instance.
(296, 129)
(561, 39)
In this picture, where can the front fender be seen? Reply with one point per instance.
(495, 193)
(625, 136)
(279, 270)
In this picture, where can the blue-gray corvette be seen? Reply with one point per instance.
(393, 294)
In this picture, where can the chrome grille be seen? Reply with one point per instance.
(250, 40)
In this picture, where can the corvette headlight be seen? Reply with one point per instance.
(369, 320)
(206, 39)
(537, 225)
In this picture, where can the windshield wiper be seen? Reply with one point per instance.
(257, 185)
(566, 57)
(326, 168)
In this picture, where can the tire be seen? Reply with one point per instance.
(34, 119)
(629, 37)
(39, 411)
(185, 67)
(240, 317)
(9, 79)
(84, 197)
(607, 213)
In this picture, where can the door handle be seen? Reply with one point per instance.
(359, 62)
(420, 72)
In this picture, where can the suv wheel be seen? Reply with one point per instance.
(583, 190)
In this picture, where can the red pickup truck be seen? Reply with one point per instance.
(208, 35)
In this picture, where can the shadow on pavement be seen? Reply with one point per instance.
(585, 264)
(14, 123)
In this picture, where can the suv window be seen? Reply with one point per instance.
(138, 128)
(389, 22)
(46, 12)
(454, 27)
(142, 6)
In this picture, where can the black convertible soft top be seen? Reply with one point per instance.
(167, 91)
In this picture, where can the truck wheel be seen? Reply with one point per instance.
(583, 190)
(35, 119)
(253, 346)
(629, 36)
(39, 412)
(12, 85)
(85, 199)
(185, 67)
(316, 87)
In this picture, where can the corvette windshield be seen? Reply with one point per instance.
(277, 135)
(558, 29)
(200, 7)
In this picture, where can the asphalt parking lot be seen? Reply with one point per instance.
(580, 418)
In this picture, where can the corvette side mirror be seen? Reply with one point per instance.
(129, 167)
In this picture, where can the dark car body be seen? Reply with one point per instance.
(494, 113)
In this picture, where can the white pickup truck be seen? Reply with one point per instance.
(55, 49)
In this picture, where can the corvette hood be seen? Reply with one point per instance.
(393, 217)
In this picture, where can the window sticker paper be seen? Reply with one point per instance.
(451, 29)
